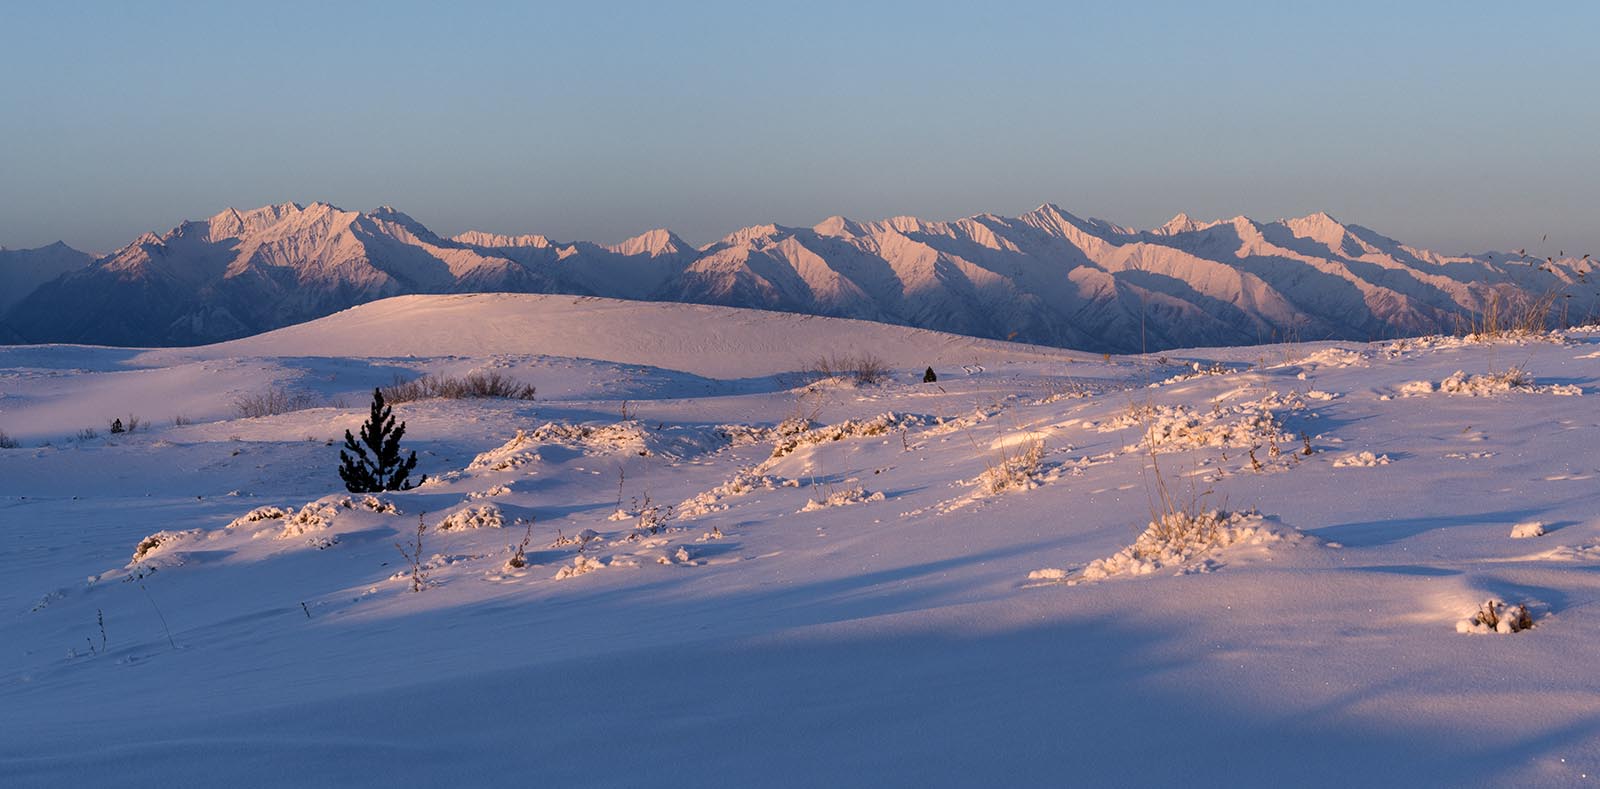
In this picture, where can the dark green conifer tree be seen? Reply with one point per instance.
(928, 377)
(381, 469)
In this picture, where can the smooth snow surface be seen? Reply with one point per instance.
(736, 574)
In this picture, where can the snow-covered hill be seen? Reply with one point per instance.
(738, 575)
(1045, 277)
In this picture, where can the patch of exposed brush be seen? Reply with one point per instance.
(470, 386)
(1495, 616)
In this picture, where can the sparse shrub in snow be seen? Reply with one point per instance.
(1362, 459)
(617, 434)
(1519, 316)
(582, 540)
(274, 401)
(384, 469)
(472, 385)
(497, 490)
(839, 498)
(7, 442)
(161, 540)
(1197, 370)
(315, 516)
(879, 425)
(745, 481)
(1523, 531)
(1511, 379)
(1494, 617)
(1015, 467)
(861, 368)
(519, 552)
(413, 556)
(1178, 538)
(517, 452)
(1243, 425)
(633, 438)
(375, 504)
(486, 516)
(257, 515)
(650, 517)
(746, 435)
(1071, 390)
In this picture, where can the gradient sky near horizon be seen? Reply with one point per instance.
(1457, 126)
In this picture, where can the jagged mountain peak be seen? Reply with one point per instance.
(837, 225)
(480, 238)
(1047, 276)
(752, 234)
(653, 243)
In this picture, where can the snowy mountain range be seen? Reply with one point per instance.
(1046, 277)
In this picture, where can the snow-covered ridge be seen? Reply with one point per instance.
(1047, 277)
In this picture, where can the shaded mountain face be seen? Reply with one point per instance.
(1046, 277)
(23, 270)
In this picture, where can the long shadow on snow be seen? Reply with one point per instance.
(1090, 699)
(1367, 534)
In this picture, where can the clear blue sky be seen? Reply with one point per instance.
(1459, 126)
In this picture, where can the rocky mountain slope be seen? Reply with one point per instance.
(1046, 277)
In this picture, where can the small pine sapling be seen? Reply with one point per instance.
(928, 376)
(382, 469)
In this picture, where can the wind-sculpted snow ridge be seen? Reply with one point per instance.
(1045, 277)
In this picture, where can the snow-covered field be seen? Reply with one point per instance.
(738, 575)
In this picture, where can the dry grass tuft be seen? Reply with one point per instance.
(863, 368)
(472, 385)
(274, 401)
(1508, 317)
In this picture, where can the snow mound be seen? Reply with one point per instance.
(581, 565)
(258, 515)
(840, 498)
(1169, 428)
(1333, 358)
(1362, 459)
(1512, 379)
(632, 437)
(743, 482)
(748, 435)
(163, 541)
(1196, 370)
(1188, 543)
(1523, 531)
(1495, 616)
(483, 516)
(314, 516)
(516, 453)
(881, 424)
